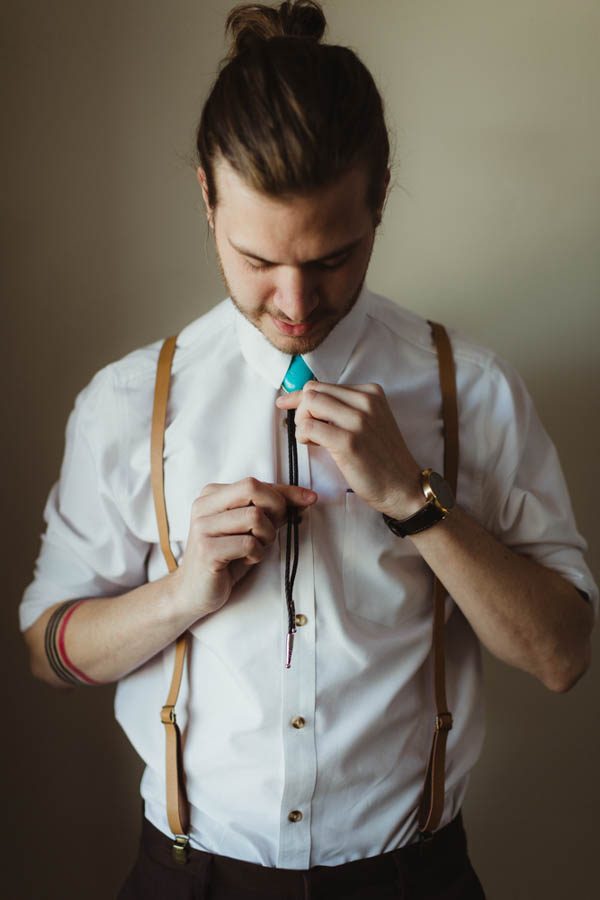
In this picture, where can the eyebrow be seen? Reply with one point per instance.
(308, 262)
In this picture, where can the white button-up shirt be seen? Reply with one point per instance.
(361, 675)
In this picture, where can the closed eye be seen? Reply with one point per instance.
(255, 268)
(321, 266)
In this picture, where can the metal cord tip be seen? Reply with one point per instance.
(289, 647)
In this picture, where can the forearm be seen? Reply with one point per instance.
(525, 614)
(108, 637)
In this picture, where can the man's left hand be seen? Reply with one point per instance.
(356, 425)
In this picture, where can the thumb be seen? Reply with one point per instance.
(296, 494)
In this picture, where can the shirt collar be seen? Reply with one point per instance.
(327, 362)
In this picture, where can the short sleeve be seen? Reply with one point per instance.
(87, 549)
(525, 499)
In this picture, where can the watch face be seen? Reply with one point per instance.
(442, 490)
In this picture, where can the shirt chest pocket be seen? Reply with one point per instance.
(385, 579)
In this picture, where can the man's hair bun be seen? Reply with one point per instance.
(252, 23)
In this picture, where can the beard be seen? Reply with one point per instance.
(287, 343)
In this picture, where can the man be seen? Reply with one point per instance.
(305, 779)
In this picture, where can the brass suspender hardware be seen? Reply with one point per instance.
(180, 849)
(167, 715)
(443, 722)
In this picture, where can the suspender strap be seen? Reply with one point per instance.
(432, 800)
(157, 447)
(177, 804)
(447, 374)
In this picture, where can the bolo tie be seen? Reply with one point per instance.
(296, 377)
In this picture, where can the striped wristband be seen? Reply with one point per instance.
(56, 651)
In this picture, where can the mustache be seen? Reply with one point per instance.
(310, 321)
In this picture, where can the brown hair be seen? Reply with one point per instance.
(288, 113)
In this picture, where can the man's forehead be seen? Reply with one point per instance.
(304, 228)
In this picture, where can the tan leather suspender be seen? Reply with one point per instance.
(432, 801)
(177, 803)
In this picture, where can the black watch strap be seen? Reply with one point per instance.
(423, 519)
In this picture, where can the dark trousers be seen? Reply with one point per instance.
(438, 869)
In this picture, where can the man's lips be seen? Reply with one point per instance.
(294, 330)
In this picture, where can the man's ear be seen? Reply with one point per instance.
(201, 176)
(388, 175)
(384, 192)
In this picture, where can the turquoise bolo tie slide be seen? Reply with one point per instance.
(296, 377)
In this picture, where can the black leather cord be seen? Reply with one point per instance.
(292, 529)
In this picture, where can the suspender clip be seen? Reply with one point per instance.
(425, 841)
(167, 715)
(443, 722)
(180, 849)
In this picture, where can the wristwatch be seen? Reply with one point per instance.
(440, 500)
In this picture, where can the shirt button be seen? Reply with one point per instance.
(295, 815)
(298, 722)
(301, 619)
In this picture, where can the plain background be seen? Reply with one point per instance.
(493, 228)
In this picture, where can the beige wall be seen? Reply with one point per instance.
(493, 227)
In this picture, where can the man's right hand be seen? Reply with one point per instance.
(231, 528)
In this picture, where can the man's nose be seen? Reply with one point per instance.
(296, 294)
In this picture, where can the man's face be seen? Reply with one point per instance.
(298, 260)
